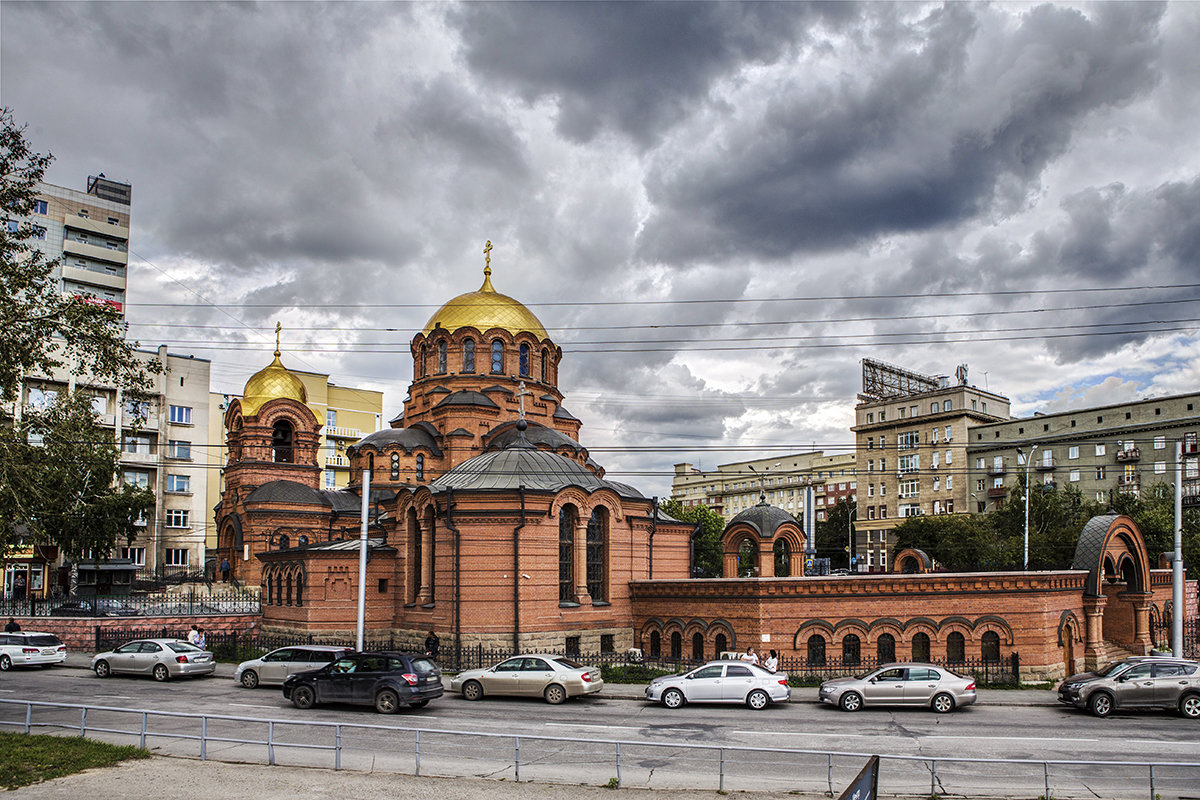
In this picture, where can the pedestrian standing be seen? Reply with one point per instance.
(13, 626)
(433, 645)
(771, 662)
(194, 635)
(201, 639)
(225, 570)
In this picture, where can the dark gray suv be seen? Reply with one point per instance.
(389, 681)
(1136, 682)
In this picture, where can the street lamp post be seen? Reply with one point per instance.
(1027, 461)
(850, 538)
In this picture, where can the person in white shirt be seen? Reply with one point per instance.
(771, 662)
(750, 656)
(194, 636)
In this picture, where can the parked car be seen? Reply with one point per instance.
(721, 682)
(388, 681)
(273, 668)
(89, 607)
(901, 685)
(29, 648)
(535, 675)
(162, 658)
(1136, 682)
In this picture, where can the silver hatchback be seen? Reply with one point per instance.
(901, 685)
(274, 668)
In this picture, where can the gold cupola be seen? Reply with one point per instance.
(273, 382)
(486, 308)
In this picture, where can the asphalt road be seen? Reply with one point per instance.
(586, 731)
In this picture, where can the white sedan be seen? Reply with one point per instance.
(721, 682)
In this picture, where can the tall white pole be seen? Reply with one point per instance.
(362, 555)
(1027, 462)
(1177, 561)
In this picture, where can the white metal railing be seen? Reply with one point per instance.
(718, 754)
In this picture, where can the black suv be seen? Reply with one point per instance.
(386, 680)
(1136, 682)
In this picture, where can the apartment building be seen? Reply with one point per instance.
(911, 436)
(1125, 447)
(89, 232)
(732, 488)
(162, 436)
(348, 415)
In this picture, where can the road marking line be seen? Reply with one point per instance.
(1014, 738)
(587, 725)
(8, 691)
(249, 705)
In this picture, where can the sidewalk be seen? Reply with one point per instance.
(636, 691)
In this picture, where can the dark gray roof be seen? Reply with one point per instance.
(536, 470)
(438, 390)
(345, 500)
(467, 397)
(537, 434)
(398, 418)
(287, 492)
(549, 397)
(764, 518)
(624, 489)
(562, 413)
(1089, 551)
(461, 432)
(408, 438)
(495, 387)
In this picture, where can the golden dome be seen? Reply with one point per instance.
(273, 382)
(485, 309)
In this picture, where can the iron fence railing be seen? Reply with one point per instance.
(523, 757)
(161, 604)
(1162, 634)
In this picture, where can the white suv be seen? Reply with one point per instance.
(28, 649)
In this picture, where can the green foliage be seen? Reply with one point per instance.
(832, 535)
(706, 542)
(613, 783)
(630, 673)
(28, 759)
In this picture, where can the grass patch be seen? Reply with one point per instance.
(26, 759)
(630, 673)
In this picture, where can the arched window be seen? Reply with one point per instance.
(278, 589)
(497, 355)
(284, 541)
(697, 647)
(395, 466)
(676, 646)
(816, 650)
(414, 539)
(851, 650)
(747, 561)
(523, 363)
(441, 357)
(267, 586)
(655, 644)
(597, 555)
(545, 359)
(721, 644)
(301, 540)
(956, 648)
(783, 559)
(885, 648)
(300, 588)
(989, 647)
(920, 647)
(288, 596)
(421, 362)
(281, 442)
(566, 554)
(420, 467)
(468, 364)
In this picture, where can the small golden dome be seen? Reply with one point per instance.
(273, 382)
(486, 308)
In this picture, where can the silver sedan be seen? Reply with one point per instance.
(901, 685)
(721, 682)
(274, 668)
(162, 658)
(536, 675)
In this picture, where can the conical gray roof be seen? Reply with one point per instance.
(764, 518)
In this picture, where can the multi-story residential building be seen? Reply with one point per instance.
(348, 414)
(162, 435)
(911, 435)
(89, 232)
(1125, 447)
(732, 488)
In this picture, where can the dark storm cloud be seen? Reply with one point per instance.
(961, 119)
(635, 67)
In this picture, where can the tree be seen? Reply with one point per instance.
(706, 544)
(41, 329)
(832, 535)
(958, 542)
(57, 466)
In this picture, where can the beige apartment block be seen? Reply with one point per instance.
(911, 435)
(1101, 451)
(348, 414)
(783, 479)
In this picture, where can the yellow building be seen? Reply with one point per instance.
(349, 415)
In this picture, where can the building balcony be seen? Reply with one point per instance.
(334, 432)
(337, 461)
(148, 459)
(92, 277)
(1129, 480)
(997, 493)
(1191, 492)
(997, 469)
(89, 250)
(1045, 465)
(101, 227)
(1128, 456)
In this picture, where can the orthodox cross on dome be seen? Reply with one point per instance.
(521, 395)
(487, 258)
(278, 328)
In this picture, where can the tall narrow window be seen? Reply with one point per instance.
(956, 648)
(697, 647)
(545, 359)
(721, 644)
(524, 360)
(655, 644)
(816, 650)
(597, 555)
(747, 562)
(920, 647)
(421, 363)
(676, 646)
(783, 559)
(281, 441)
(441, 357)
(885, 648)
(990, 647)
(497, 355)
(566, 554)
(851, 650)
(468, 358)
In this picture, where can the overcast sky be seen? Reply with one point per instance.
(929, 185)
